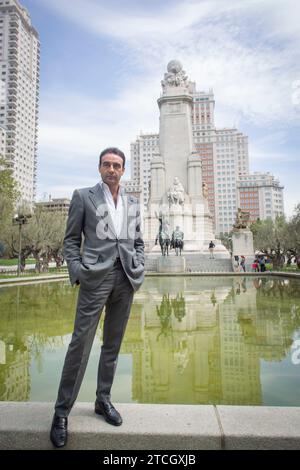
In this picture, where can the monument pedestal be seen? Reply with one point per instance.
(242, 243)
(178, 196)
(171, 264)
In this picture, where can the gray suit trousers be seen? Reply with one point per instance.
(116, 293)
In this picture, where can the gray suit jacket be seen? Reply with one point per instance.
(89, 218)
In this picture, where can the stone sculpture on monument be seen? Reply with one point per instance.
(242, 220)
(175, 75)
(176, 193)
(242, 237)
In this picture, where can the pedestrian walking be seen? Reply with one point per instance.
(211, 247)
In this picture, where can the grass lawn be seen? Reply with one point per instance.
(14, 261)
(286, 269)
(291, 269)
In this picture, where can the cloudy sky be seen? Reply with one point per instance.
(102, 63)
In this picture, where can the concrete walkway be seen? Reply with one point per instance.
(180, 427)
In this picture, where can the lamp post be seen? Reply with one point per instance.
(230, 244)
(20, 220)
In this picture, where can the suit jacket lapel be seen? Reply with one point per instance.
(127, 214)
(124, 200)
(98, 199)
(96, 196)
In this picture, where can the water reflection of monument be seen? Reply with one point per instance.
(211, 352)
(190, 343)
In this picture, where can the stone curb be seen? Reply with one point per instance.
(180, 427)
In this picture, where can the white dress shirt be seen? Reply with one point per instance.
(116, 212)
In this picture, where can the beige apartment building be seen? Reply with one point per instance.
(262, 195)
(55, 205)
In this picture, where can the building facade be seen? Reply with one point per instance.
(230, 162)
(142, 153)
(55, 205)
(19, 68)
(261, 194)
(132, 188)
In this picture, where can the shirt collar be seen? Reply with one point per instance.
(107, 193)
(105, 186)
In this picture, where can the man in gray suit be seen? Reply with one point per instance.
(109, 269)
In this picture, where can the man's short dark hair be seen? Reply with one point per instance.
(113, 150)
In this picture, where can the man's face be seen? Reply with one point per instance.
(111, 169)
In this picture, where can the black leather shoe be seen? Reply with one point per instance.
(59, 431)
(111, 415)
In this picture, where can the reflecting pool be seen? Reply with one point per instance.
(190, 340)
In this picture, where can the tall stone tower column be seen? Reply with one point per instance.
(175, 125)
(194, 175)
(158, 178)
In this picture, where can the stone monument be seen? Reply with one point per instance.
(177, 191)
(242, 237)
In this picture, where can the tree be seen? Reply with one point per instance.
(270, 238)
(255, 226)
(42, 237)
(9, 195)
(226, 239)
(293, 236)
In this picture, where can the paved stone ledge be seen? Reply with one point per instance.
(61, 277)
(287, 274)
(260, 427)
(25, 280)
(27, 426)
(180, 427)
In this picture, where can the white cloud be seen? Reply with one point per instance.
(120, 23)
(222, 44)
(246, 51)
(282, 19)
(278, 138)
(73, 139)
(291, 200)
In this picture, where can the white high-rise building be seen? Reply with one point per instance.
(142, 151)
(261, 194)
(19, 93)
(230, 162)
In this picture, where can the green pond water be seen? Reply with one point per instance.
(190, 340)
